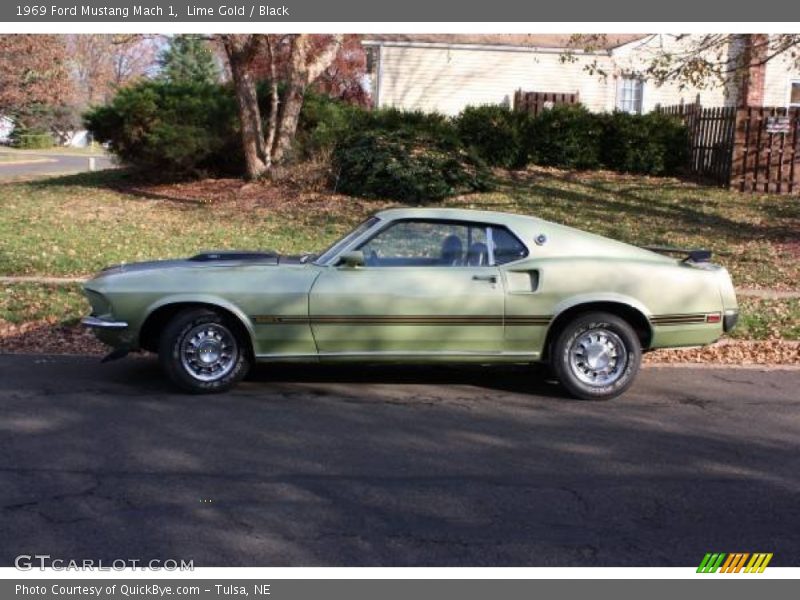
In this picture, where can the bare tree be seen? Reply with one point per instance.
(102, 63)
(306, 62)
(33, 72)
(701, 60)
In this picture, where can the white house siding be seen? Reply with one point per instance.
(636, 56)
(448, 79)
(780, 71)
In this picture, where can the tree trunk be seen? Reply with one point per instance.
(290, 116)
(239, 57)
(256, 161)
(263, 151)
(300, 76)
(272, 126)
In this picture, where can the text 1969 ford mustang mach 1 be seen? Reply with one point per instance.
(419, 285)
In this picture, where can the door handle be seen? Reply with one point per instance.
(489, 278)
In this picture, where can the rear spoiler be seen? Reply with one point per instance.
(689, 255)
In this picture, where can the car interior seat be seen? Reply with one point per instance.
(478, 255)
(452, 251)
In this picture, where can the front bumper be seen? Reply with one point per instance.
(729, 320)
(98, 323)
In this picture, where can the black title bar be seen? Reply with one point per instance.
(263, 11)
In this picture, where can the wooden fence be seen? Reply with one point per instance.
(766, 153)
(753, 149)
(536, 102)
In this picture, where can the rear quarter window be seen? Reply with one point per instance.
(507, 247)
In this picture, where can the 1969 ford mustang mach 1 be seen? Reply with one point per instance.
(419, 285)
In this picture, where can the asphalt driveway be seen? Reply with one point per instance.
(310, 465)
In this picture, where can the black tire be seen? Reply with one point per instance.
(574, 371)
(175, 338)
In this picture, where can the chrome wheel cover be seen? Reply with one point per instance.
(209, 352)
(598, 357)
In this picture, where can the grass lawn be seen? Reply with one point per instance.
(24, 302)
(76, 224)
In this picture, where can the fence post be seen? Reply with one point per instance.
(739, 151)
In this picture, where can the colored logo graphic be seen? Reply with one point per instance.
(734, 563)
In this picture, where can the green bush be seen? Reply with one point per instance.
(383, 164)
(323, 121)
(31, 139)
(495, 133)
(566, 136)
(171, 129)
(410, 156)
(652, 144)
(406, 123)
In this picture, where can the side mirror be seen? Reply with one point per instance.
(352, 259)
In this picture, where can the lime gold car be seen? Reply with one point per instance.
(419, 285)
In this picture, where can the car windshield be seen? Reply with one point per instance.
(337, 247)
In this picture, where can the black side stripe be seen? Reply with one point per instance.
(679, 319)
(401, 320)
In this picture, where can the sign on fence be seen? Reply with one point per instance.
(778, 125)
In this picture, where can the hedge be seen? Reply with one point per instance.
(395, 165)
(653, 144)
(176, 130)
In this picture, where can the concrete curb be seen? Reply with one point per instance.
(26, 161)
(43, 280)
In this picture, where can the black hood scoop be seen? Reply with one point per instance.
(237, 256)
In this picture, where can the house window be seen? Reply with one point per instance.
(794, 93)
(630, 91)
(372, 53)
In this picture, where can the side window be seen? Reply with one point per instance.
(442, 244)
(417, 243)
(507, 248)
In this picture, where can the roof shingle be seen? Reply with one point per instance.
(524, 40)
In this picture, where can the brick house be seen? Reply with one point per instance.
(446, 72)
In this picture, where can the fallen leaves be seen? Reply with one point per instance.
(44, 337)
(733, 352)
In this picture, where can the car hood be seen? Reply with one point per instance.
(222, 258)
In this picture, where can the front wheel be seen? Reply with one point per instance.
(596, 356)
(203, 352)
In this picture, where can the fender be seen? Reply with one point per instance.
(204, 299)
(588, 298)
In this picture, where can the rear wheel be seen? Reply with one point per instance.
(596, 356)
(202, 351)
